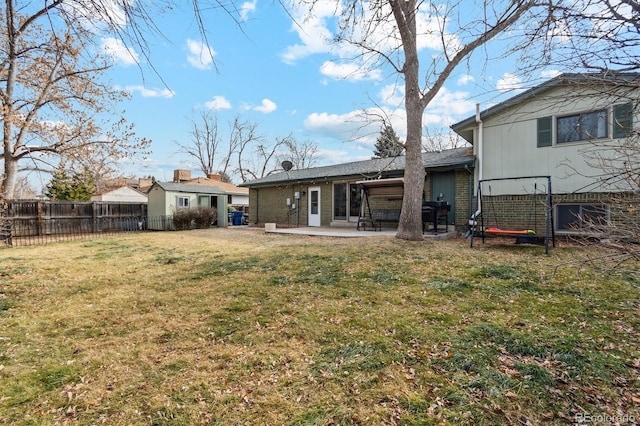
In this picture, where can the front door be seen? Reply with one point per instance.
(314, 206)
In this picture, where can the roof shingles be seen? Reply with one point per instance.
(368, 169)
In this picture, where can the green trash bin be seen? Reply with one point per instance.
(237, 218)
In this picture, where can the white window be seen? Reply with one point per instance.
(581, 217)
(183, 202)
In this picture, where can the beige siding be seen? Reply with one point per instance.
(510, 143)
(157, 202)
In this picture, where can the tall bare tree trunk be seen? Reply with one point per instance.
(10, 178)
(410, 224)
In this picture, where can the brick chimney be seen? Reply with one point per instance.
(181, 175)
(144, 184)
(214, 176)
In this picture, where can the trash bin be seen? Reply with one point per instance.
(237, 218)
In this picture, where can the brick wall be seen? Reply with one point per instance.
(518, 212)
(463, 194)
(272, 206)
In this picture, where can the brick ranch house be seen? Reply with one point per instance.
(330, 195)
(556, 130)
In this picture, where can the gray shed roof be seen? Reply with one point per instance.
(565, 79)
(369, 169)
(193, 189)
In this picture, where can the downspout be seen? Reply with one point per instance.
(472, 220)
(470, 191)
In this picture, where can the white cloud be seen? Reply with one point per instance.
(339, 126)
(247, 8)
(445, 108)
(465, 79)
(151, 93)
(548, 74)
(364, 126)
(334, 156)
(349, 71)
(361, 126)
(200, 55)
(509, 82)
(267, 106)
(218, 103)
(392, 94)
(317, 29)
(96, 16)
(120, 53)
(560, 30)
(312, 29)
(451, 104)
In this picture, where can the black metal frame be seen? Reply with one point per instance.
(432, 211)
(532, 239)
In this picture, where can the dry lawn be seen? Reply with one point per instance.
(234, 326)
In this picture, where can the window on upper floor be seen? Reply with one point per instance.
(582, 127)
(623, 120)
(586, 126)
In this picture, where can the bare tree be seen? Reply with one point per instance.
(247, 142)
(440, 141)
(259, 159)
(592, 35)
(363, 22)
(51, 94)
(205, 142)
(24, 189)
(301, 154)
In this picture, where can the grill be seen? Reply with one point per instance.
(432, 212)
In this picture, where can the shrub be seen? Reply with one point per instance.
(198, 217)
(204, 217)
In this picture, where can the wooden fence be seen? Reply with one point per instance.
(32, 221)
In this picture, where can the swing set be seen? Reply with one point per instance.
(526, 235)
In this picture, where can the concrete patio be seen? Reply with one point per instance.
(350, 232)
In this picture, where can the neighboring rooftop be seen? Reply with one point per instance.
(370, 169)
(191, 188)
(183, 177)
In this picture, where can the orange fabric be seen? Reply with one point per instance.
(509, 232)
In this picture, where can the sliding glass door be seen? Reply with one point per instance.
(346, 201)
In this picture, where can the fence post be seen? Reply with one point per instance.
(39, 217)
(94, 220)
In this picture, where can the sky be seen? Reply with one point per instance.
(278, 70)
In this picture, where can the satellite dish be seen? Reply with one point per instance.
(287, 165)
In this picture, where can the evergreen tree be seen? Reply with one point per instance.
(388, 144)
(71, 187)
